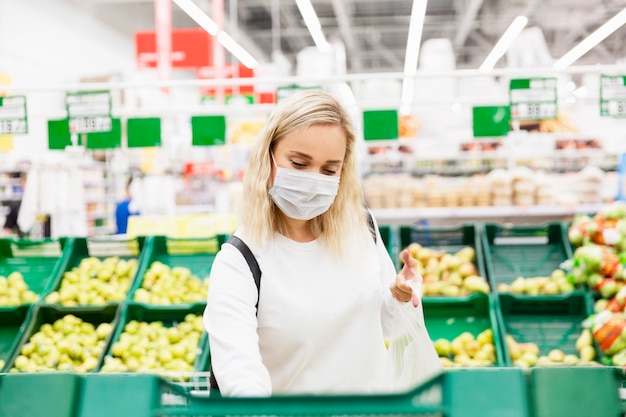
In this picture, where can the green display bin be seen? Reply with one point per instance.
(387, 234)
(487, 392)
(197, 254)
(119, 395)
(447, 239)
(78, 249)
(12, 324)
(192, 399)
(575, 392)
(38, 395)
(447, 318)
(523, 250)
(552, 322)
(39, 262)
(43, 314)
(169, 316)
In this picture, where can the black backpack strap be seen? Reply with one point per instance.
(251, 260)
(256, 274)
(370, 224)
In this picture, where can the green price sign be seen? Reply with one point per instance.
(533, 99)
(13, 117)
(613, 95)
(89, 112)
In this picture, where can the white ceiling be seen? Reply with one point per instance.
(375, 31)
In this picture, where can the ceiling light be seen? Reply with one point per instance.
(208, 24)
(418, 13)
(592, 40)
(234, 48)
(504, 43)
(416, 24)
(313, 24)
(199, 16)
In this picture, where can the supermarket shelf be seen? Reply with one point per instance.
(413, 215)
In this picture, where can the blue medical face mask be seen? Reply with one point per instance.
(303, 195)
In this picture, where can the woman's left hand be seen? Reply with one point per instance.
(400, 289)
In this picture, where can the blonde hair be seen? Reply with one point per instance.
(260, 217)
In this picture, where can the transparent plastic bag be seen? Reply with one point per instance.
(412, 356)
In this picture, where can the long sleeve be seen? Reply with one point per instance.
(318, 327)
(230, 319)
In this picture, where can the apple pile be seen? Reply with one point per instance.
(14, 291)
(526, 355)
(95, 282)
(69, 345)
(164, 285)
(556, 283)
(448, 274)
(153, 347)
(465, 350)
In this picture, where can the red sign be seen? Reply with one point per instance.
(229, 71)
(191, 48)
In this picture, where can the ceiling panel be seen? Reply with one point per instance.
(375, 31)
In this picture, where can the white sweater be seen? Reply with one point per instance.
(321, 320)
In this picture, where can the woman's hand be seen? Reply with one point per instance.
(400, 289)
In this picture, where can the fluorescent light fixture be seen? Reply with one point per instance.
(199, 16)
(346, 94)
(208, 24)
(408, 90)
(240, 53)
(504, 43)
(313, 24)
(416, 24)
(592, 40)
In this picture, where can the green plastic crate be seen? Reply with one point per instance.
(487, 392)
(133, 395)
(447, 318)
(38, 395)
(552, 322)
(169, 316)
(387, 233)
(39, 262)
(192, 399)
(448, 239)
(526, 251)
(12, 324)
(196, 254)
(43, 314)
(575, 392)
(78, 249)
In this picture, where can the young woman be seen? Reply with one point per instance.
(319, 320)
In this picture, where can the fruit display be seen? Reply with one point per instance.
(465, 350)
(14, 291)
(95, 282)
(448, 274)
(69, 344)
(526, 355)
(154, 347)
(556, 283)
(164, 285)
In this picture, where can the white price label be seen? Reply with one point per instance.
(13, 127)
(534, 111)
(617, 108)
(90, 124)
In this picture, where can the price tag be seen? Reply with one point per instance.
(13, 116)
(613, 95)
(89, 112)
(533, 99)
